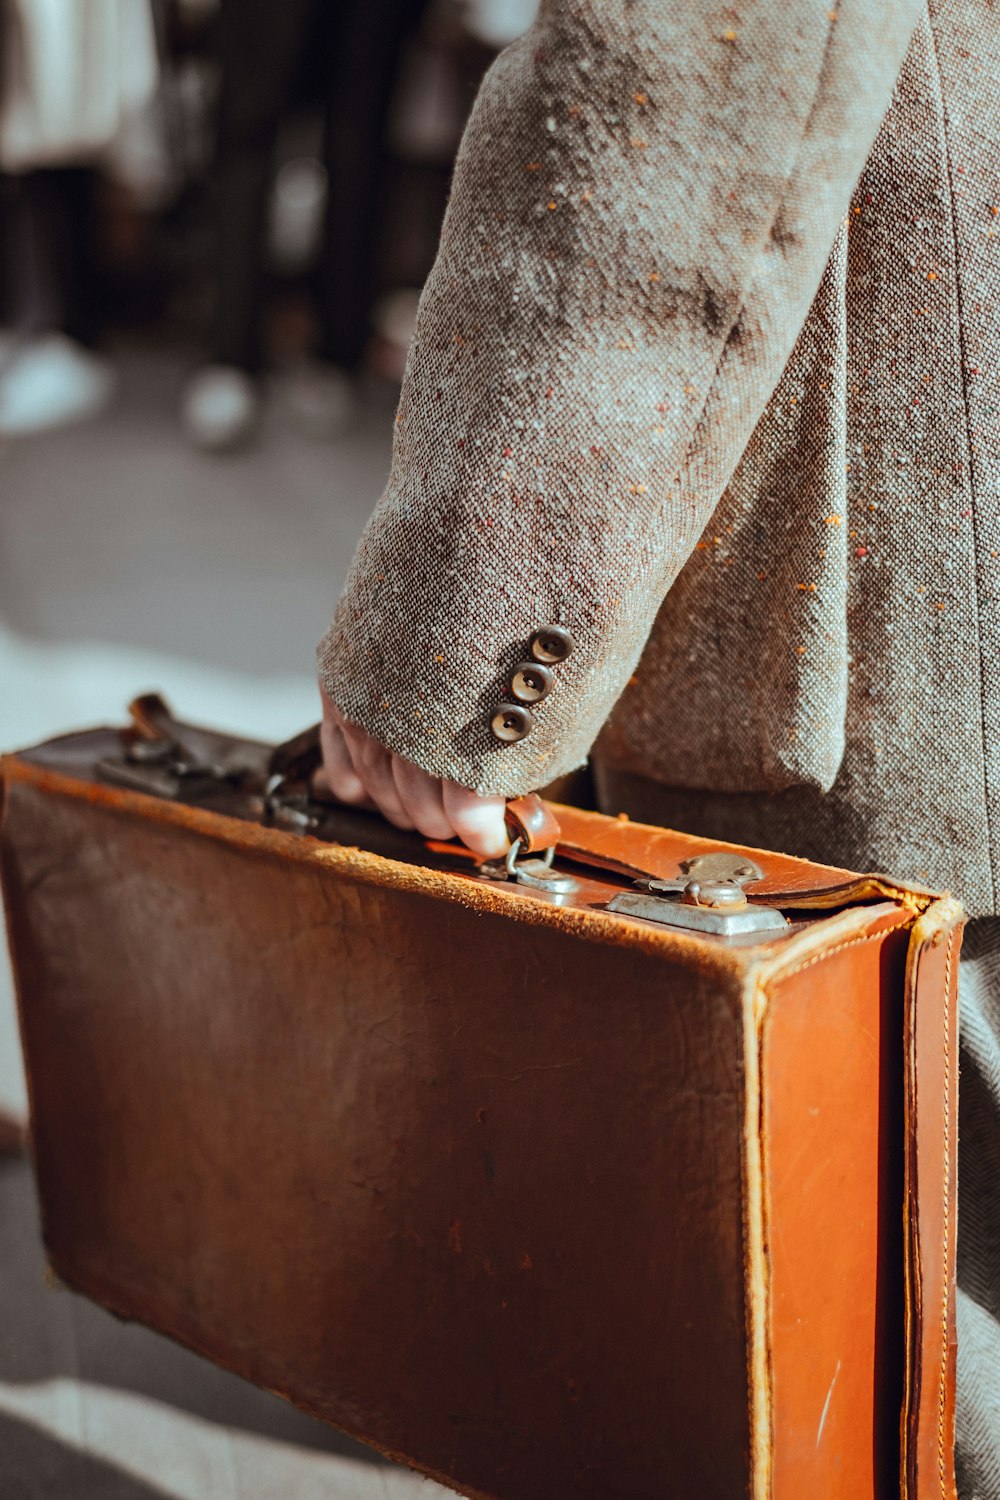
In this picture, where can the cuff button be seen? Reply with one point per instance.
(509, 723)
(530, 682)
(553, 643)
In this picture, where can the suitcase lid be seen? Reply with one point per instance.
(635, 872)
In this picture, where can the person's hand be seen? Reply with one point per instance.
(363, 773)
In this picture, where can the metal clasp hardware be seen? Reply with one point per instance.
(710, 879)
(708, 896)
(161, 768)
(536, 871)
(284, 809)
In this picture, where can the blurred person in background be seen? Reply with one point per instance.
(71, 72)
(352, 51)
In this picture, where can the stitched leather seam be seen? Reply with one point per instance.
(946, 1239)
(819, 958)
(760, 1383)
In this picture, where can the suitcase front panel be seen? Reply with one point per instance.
(416, 1166)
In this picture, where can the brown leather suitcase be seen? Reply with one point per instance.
(628, 1175)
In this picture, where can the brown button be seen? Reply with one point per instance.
(510, 723)
(552, 644)
(529, 682)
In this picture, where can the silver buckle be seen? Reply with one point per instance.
(709, 896)
(536, 871)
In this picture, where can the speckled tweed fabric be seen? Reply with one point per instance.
(646, 299)
(717, 306)
(882, 747)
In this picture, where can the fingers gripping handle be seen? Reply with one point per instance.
(528, 818)
(293, 794)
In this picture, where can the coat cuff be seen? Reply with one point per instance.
(459, 699)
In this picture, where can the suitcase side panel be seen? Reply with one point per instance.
(832, 1130)
(932, 1050)
(468, 1188)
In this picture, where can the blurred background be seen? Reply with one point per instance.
(215, 219)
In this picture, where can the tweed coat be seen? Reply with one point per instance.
(706, 371)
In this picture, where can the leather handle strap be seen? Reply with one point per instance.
(295, 761)
(299, 758)
(533, 822)
(528, 818)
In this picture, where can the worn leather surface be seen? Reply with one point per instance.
(362, 1147)
(830, 1056)
(632, 848)
(548, 1202)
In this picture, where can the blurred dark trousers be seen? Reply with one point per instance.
(353, 47)
(48, 276)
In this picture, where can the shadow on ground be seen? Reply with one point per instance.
(51, 1332)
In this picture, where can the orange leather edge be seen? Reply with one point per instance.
(931, 1093)
(813, 945)
(533, 822)
(642, 848)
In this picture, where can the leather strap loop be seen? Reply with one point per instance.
(152, 719)
(533, 822)
(298, 758)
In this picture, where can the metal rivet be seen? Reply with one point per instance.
(714, 893)
(509, 722)
(552, 644)
(530, 681)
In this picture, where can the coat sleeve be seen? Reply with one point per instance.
(644, 201)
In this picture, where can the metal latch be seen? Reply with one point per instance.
(534, 833)
(162, 768)
(708, 896)
(288, 808)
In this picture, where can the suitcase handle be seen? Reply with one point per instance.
(631, 852)
(531, 823)
(291, 767)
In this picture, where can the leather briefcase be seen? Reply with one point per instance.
(626, 1171)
